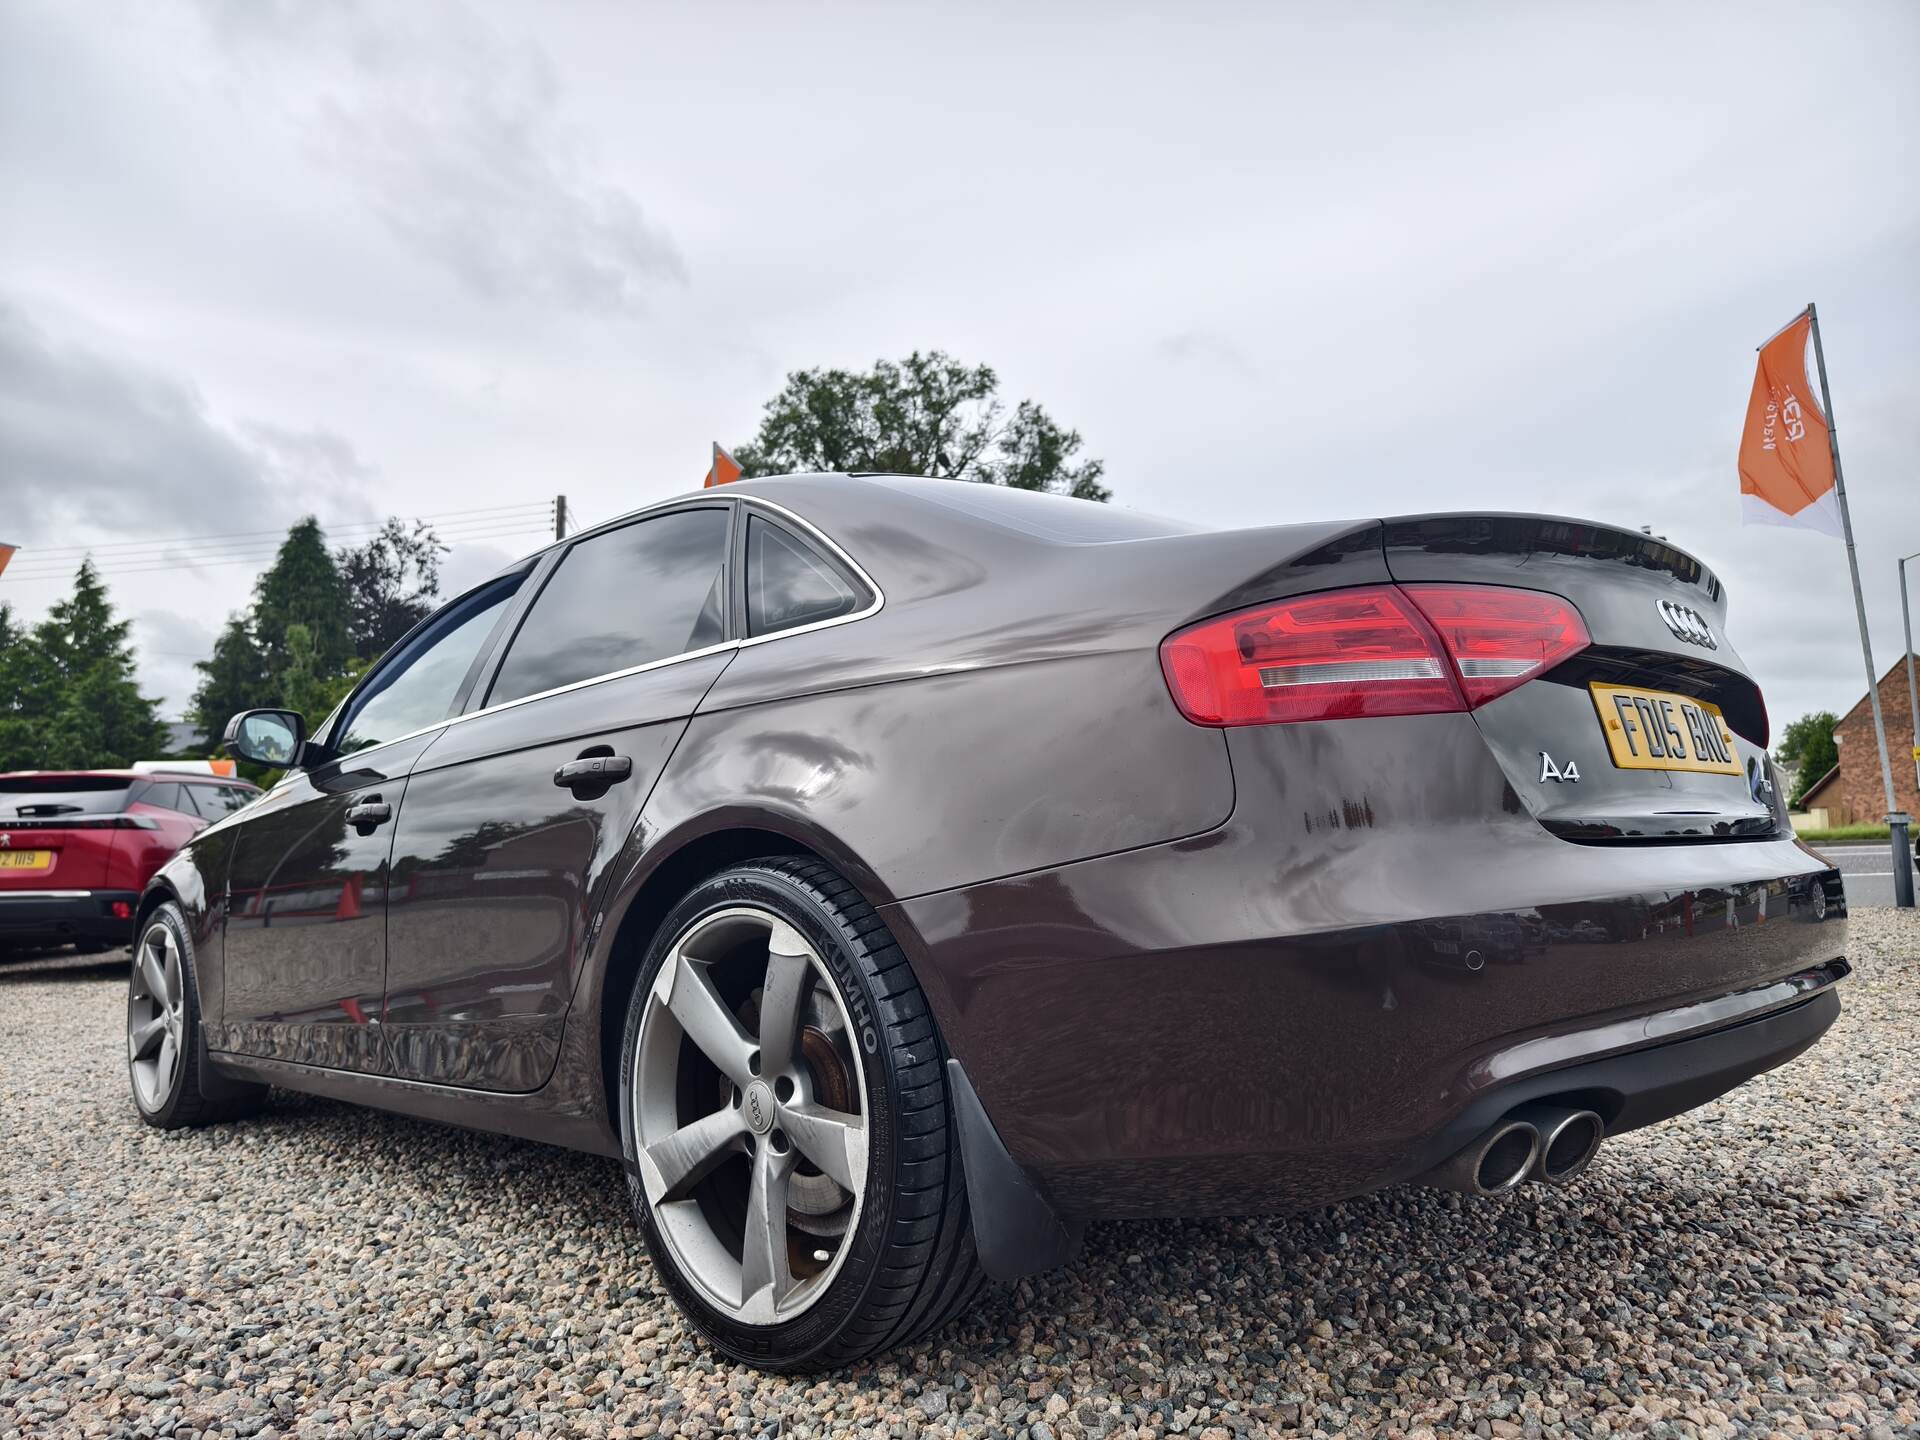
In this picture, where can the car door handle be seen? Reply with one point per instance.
(593, 772)
(368, 815)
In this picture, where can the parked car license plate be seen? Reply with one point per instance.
(1658, 730)
(26, 859)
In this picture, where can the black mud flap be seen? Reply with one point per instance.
(1015, 1230)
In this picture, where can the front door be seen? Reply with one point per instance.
(306, 914)
(306, 940)
(516, 813)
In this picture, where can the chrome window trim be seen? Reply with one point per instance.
(340, 711)
(799, 522)
(827, 542)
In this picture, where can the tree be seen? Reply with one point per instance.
(233, 678)
(391, 582)
(308, 688)
(925, 415)
(22, 692)
(71, 698)
(302, 587)
(1807, 751)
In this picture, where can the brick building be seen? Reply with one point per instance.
(1851, 793)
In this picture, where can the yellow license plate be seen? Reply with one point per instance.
(1657, 730)
(26, 859)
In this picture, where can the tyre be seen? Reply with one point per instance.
(791, 1154)
(166, 1059)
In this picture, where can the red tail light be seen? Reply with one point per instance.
(1373, 650)
(1500, 638)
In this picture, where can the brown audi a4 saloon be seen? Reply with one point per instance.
(895, 874)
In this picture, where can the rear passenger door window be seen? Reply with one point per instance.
(628, 597)
(791, 583)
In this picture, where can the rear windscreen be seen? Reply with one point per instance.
(1051, 517)
(32, 798)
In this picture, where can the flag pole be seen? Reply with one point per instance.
(1896, 821)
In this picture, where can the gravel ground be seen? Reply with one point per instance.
(1751, 1268)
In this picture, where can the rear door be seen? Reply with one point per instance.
(306, 908)
(515, 814)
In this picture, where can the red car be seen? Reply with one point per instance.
(78, 846)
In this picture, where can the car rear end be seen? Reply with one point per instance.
(1506, 847)
(74, 853)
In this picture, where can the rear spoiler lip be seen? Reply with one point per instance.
(1656, 554)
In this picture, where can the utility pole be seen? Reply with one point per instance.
(559, 517)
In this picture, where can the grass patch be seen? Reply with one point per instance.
(1846, 832)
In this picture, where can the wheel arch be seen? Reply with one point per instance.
(672, 866)
(158, 892)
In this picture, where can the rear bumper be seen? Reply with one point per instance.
(60, 917)
(1317, 999)
(1637, 1087)
(1020, 1232)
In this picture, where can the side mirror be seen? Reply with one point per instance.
(266, 737)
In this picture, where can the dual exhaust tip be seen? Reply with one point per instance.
(1548, 1143)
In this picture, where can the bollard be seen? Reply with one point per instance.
(1902, 859)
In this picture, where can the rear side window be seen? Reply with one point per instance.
(645, 592)
(791, 583)
(167, 797)
(28, 797)
(1059, 518)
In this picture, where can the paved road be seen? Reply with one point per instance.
(1868, 870)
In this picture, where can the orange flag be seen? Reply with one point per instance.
(6, 554)
(1786, 465)
(724, 471)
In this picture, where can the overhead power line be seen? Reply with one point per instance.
(229, 549)
(144, 563)
(193, 565)
(48, 552)
(37, 565)
(155, 563)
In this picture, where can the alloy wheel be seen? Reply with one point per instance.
(750, 1117)
(156, 1017)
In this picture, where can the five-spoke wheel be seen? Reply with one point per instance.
(156, 1016)
(748, 1098)
(791, 1153)
(173, 1082)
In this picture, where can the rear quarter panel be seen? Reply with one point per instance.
(948, 779)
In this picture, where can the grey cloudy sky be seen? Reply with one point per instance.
(1275, 262)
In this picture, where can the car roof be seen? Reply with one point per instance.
(1036, 515)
